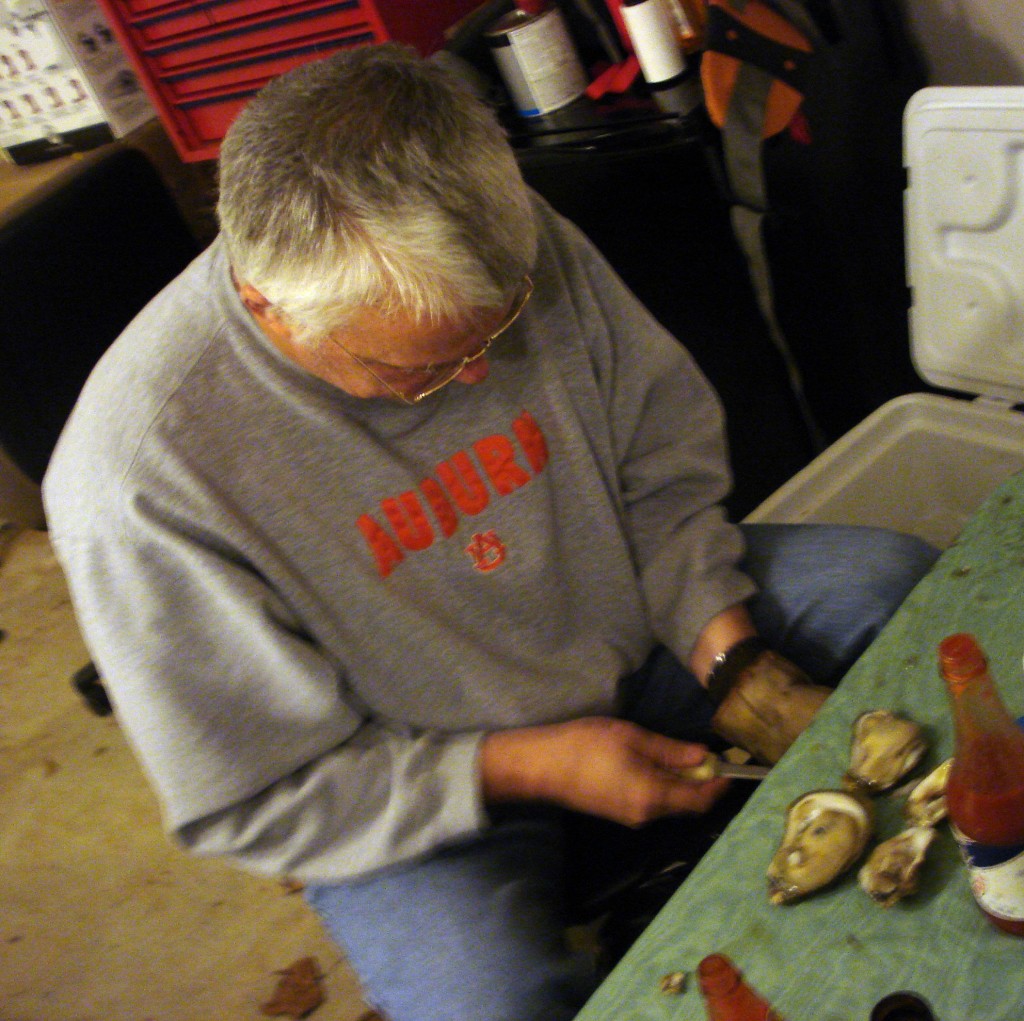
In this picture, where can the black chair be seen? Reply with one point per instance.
(78, 262)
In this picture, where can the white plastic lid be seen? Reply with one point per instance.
(964, 207)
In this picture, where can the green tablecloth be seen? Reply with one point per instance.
(832, 956)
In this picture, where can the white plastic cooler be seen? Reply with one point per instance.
(923, 463)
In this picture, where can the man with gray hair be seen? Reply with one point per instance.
(384, 634)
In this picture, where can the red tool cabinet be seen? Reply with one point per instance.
(200, 60)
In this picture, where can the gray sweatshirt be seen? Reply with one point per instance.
(308, 607)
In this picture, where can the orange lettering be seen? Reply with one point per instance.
(443, 510)
(463, 483)
(532, 441)
(412, 527)
(458, 489)
(497, 455)
(383, 547)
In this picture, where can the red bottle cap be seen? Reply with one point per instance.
(961, 657)
(716, 975)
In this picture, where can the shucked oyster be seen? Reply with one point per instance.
(885, 747)
(826, 832)
(892, 867)
(926, 804)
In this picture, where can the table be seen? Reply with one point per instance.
(832, 956)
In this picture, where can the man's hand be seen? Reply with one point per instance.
(597, 765)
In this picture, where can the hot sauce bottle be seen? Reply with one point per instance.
(727, 997)
(985, 792)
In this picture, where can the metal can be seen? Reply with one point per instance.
(537, 60)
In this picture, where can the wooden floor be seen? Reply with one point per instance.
(101, 917)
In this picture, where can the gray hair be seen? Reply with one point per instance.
(373, 179)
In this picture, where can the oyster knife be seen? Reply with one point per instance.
(713, 766)
(741, 771)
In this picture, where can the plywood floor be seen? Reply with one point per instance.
(101, 917)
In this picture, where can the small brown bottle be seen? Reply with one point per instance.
(727, 996)
(985, 791)
(690, 18)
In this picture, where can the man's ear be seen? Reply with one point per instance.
(263, 312)
(252, 299)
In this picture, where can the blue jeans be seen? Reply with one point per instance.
(475, 932)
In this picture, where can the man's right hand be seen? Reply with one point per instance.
(597, 765)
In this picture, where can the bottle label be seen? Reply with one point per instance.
(996, 876)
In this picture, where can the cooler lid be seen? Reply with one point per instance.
(964, 208)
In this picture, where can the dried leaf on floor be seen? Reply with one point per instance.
(298, 991)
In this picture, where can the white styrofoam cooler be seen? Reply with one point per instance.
(923, 463)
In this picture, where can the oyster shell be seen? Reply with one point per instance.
(885, 747)
(892, 868)
(826, 832)
(926, 803)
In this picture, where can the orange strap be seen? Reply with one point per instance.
(749, 31)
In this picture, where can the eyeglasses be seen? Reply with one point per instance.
(437, 375)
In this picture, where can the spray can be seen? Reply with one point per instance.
(653, 34)
(537, 60)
